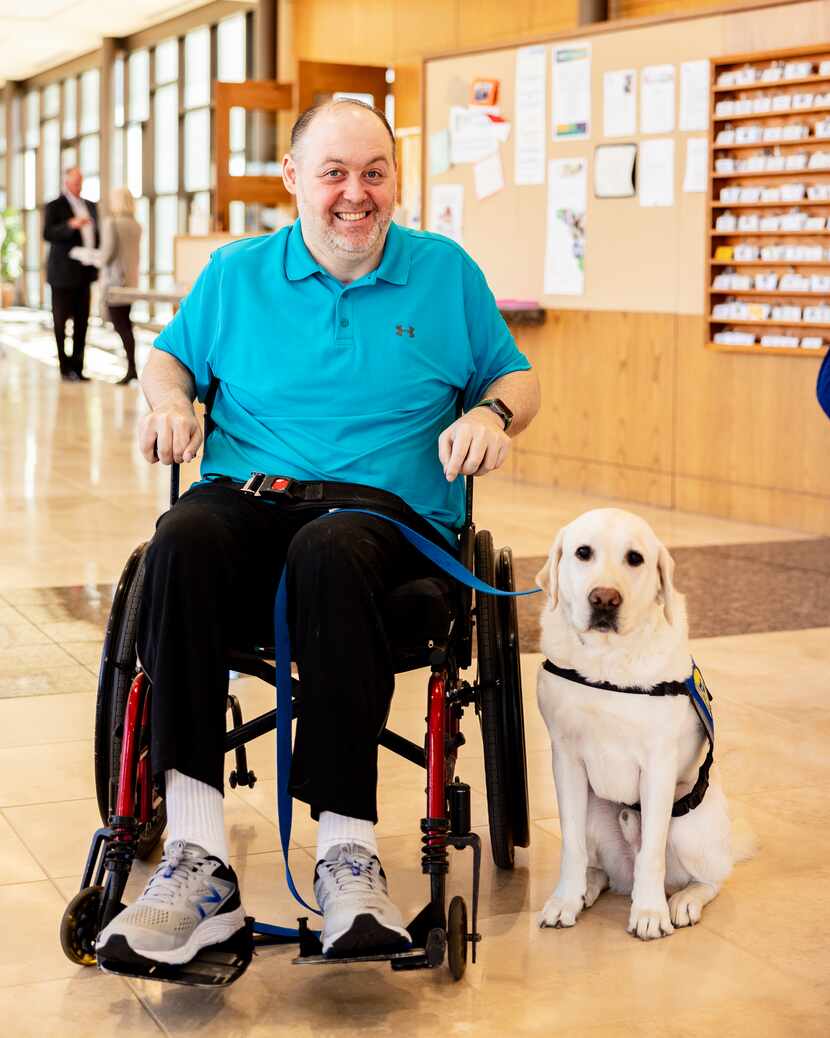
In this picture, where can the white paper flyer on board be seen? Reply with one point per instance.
(531, 77)
(571, 91)
(446, 211)
(657, 111)
(619, 113)
(565, 251)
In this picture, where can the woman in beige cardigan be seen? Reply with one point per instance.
(120, 237)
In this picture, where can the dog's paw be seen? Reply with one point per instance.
(685, 907)
(650, 923)
(560, 911)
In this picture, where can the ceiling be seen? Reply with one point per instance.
(36, 35)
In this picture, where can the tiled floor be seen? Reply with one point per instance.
(75, 499)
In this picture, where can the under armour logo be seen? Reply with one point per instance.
(410, 331)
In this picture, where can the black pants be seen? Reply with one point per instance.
(74, 303)
(120, 317)
(212, 570)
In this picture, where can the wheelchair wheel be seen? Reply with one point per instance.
(79, 926)
(119, 665)
(514, 721)
(489, 693)
(457, 937)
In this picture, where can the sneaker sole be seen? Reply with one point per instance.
(367, 934)
(214, 930)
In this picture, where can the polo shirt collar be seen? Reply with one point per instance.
(394, 263)
(396, 258)
(299, 263)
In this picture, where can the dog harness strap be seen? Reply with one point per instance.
(665, 688)
(699, 696)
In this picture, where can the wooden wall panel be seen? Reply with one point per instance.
(608, 381)
(634, 408)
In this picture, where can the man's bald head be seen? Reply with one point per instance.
(303, 123)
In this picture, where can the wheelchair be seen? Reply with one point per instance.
(431, 623)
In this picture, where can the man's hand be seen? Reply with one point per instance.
(170, 433)
(77, 222)
(473, 445)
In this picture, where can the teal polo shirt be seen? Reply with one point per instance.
(320, 380)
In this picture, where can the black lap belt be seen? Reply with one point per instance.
(322, 496)
(695, 688)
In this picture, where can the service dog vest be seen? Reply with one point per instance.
(701, 699)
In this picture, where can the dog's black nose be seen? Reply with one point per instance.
(605, 598)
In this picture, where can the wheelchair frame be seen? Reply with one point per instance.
(437, 931)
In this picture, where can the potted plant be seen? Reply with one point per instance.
(11, 254)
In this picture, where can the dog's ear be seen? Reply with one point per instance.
(665, 572)
(548, 576)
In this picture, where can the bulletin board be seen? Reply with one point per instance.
(637, 258)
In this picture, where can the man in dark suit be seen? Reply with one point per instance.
(70, 221)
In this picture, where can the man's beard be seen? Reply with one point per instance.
(340, 242)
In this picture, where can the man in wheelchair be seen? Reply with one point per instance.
(338, 350)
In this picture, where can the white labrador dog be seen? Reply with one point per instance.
(612, 615)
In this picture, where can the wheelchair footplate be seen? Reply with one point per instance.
(213, 967)
(427, 951)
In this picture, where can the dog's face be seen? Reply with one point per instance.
(608, 570)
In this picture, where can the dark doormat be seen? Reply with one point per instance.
(729, 588)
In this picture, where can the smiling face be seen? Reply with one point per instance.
(342, 173)
(607, 569)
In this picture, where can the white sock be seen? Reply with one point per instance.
(335, 828)
(195, 814)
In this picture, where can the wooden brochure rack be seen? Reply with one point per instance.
(768, 260)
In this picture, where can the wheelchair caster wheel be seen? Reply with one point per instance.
(457, 938)
(79, 926)
(435, 948)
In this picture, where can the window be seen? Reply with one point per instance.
(117, 176)
(90, 90)
(166, 132)
(90, 155)
(231, 50)
(236, 163)
(118, 92)
(70, 108)
(32, 119)
(52, 101)
(167, 226)
(197, 68)
(135, 158)
(2, 155)
(167, 62)
(197, 150)
(30, 179)
(139, 74)
(51, 160)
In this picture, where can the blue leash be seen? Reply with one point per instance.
(282, 650)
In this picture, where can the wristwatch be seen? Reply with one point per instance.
(501, 409)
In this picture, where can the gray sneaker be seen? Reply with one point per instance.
(191, 902)
(358, 917)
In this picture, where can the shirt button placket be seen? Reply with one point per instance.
(343, 320)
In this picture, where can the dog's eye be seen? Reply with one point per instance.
(634, 558)
(584, 552)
